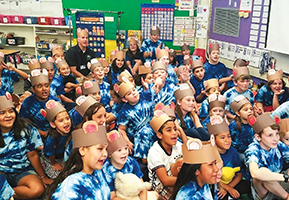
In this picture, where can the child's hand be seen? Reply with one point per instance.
(280, 92)
(46, 181)
(69, 85)
(176, 167)
(8, 67)
(57, 166)
(221, 193)
(144, 84)
(233, 192)
(258, 110)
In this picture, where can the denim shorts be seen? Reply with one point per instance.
(14, 178)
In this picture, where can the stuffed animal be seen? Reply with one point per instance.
(228, 174)
(128, 186)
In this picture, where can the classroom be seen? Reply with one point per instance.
(148, 100)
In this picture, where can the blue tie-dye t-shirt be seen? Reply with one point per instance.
(166, 94)
(204, 109)
(105, 95)
(188, 121)
(6, 191)
(217, 71)
(131, 166)
(75, 117)
(265, 96)
(30, 109)
(282, 111)
(199, 86)
(273, 159)
(192, 191)
(13, 156)
(172, 76)
(55, 146)
(241, 140)
(82, 186)
(148, 45)
(56, 86)
(7, 80)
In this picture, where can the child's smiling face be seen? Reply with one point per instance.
(214, 56)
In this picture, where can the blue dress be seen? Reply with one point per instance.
(30, 109)
(83, 186)
(192, 191)
(131, 166)
(7, 80)
(241, 140)
(13, 156)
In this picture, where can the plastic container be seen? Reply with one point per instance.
(16, 40)
(30, 20)
(43, 20)
(57, 21)
(6, 19)
(16, 19)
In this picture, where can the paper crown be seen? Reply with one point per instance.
(46, 63)
(238, 71)
(93, 64)
(240, 63)
(162, 53)
(104, 62)
(274, 75)
(158, 120)
(238, 102)
(169, 110)
(6, 101)
(80, 32)
(88, 87)
(216, 101)
(217, 125)
(213, 82)
(115, 141)
(159, 66)
(83, 103)
(155, 30)
(197, 63)
(213, 47)
(59, 62)
(123, 77)
(260, 122)
(172, 53)
(33, 64)
(119, 55)
(123, 88)
(284, 125)
(183, 91)
(133, 41)
(185, 47)
(52, 109)
(145, 69)
(197, 152)
(57, 50)
(180, 69)
(90, 134)
(187, 60)
(38, 77)
(1, 57)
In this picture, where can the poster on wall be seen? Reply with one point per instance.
(94, 22)
(186, 4)
(184, 31)
(160, 15)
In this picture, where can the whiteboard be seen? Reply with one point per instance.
(278, 27)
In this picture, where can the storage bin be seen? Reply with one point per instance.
(15, 40)
(6, 19)
(57, 21)
(17, 19)
(43, 45)
(30, 20)
(43, 20)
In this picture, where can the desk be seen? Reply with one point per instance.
(8, 52)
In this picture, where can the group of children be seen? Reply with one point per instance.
(182, 124)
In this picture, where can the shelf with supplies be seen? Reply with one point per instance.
(35, 34)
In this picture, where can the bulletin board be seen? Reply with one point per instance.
(160, 15)
(250, 26)
(94, 22)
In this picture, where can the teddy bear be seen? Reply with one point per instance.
(128, 186)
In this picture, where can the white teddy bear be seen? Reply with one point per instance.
(128, 186)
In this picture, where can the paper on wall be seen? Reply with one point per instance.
(255, 57)
(202, 30)
(203, 13)
(246, 5)
(231, 52)
(224, 49)
(186, 4)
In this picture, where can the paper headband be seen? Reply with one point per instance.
(57, 50)
(213, 82)
(197, 152)
(104, 62)
(123, 77)
(80, 32)
(90, 134)
(145, 69)
(241, 63)
(238, 102)
(33, 64)
(88, 87)
(155, 30)
(216, 101)
(238, 71)
(261, 122)
(38, 77)
(59, 63)
(6, 101)
(217, 125)
(185, 47)
(162, 53)
(172, 53)
(83, 103)
(158, 120)
(181, 69)
(115, 141)
(169, 110)
(197, 63)
(93, 64)
(123, 88)
(187, 60)
(183, 91)
(52, 109)
(159, 66)
(284, 125)
(46, 63)
(118, 55)
(274, 75)
(213, 47)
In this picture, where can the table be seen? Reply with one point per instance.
(8, 52)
